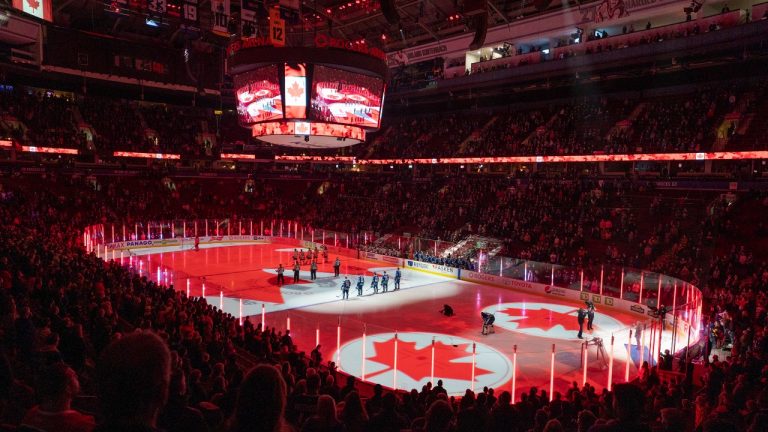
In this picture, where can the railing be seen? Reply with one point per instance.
(623, 289)
(634, 38)
(619, 282)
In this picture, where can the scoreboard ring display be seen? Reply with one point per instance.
(308, 97)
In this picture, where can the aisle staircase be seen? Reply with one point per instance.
(628, 121)
(477, 134)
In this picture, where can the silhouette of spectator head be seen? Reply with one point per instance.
(57, 383)
(260, 404)
(134, 374)
(628, 401)
(439, 417)
(326, 409)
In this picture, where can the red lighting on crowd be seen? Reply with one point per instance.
(739, 155)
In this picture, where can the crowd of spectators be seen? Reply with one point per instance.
(577, 44)
(41, 118)
(609, 124)
(457, 262)
(75, 324)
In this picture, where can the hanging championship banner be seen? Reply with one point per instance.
(248, 27)
(156, 7)
(189, 13)
(276, 28)
(220, 10)
(290, 10)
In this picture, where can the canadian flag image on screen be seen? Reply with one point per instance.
(295, 91)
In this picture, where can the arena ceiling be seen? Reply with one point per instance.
(421, 21)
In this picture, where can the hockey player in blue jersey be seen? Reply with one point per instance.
(345, 288)
(384, 281)
(375, 283)
(360, 283)
(398, 275)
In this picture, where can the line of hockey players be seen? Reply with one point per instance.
(346, 285)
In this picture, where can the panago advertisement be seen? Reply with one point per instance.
(157, 243)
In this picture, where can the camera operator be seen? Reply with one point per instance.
(488, 320)
(447, 310)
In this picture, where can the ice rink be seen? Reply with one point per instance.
(399, 339)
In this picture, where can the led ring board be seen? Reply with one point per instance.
(309, 97)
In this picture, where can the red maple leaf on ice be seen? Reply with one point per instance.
(295, 90)
(543, 318)
(415, 362)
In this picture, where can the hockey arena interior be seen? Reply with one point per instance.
(383, 215)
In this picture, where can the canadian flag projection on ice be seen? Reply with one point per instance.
(295, 90)
(411, 359)
(550, 320)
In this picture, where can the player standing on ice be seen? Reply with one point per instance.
(375, 283)
(345, 288)
(384, 281)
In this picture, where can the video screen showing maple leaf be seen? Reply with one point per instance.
(295, 90)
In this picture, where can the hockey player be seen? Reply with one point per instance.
(375, 283)
(360, 283)
(384, 281)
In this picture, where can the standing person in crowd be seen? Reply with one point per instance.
(325, 418)
(197, 242)
(628, 404)
(384, 281)
(345, 288)
(57, 386)
(296, 272)
(280, 276)
(325, 255)
(313, 270)
(336, 267)
(316, 357)
(375, 283)
(301, 256)
(360, 283)
(398, 275)
(261, 401)
(134, 374)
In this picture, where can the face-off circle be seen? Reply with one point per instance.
(453, 361)
(549, 320)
